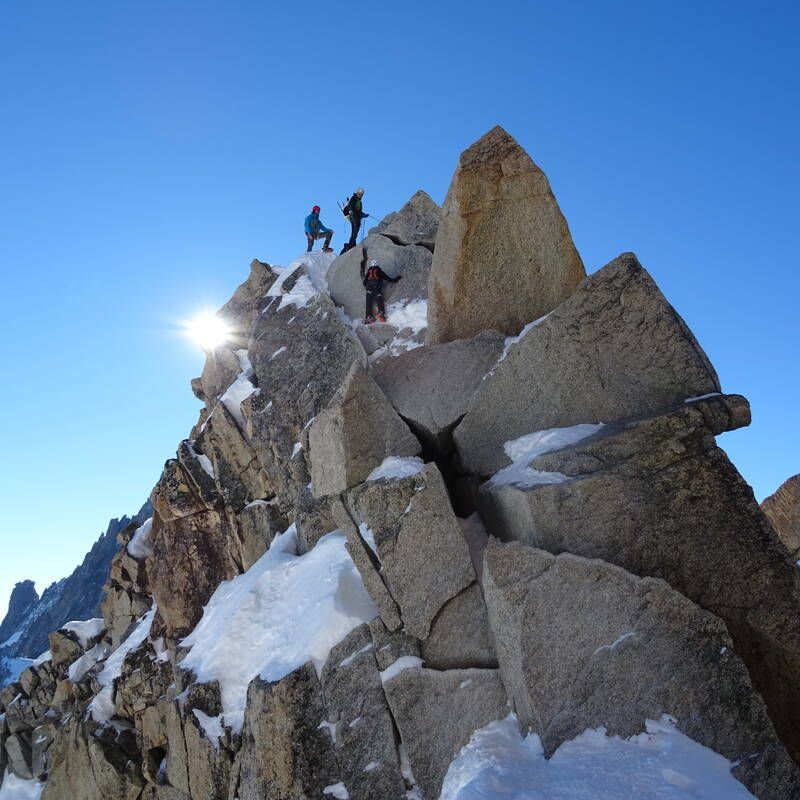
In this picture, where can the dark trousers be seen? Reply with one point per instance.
(312, 237)
(374, 296)
(355, 227)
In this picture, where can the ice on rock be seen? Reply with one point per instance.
(284, 611)
(140, 546)
(662, 763)
(397, 467)
(526, 448)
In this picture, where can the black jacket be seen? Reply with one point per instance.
(354, 208)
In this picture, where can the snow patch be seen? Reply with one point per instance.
(86, 629)
(618, 641)
(140, 546)
(102, 707)
(412, 315)
(662, 764)
(353, 656)
(396, 467)
(702, 397)
(284, 611)
(398, 666)
(15, 788)
(212, 726)
(337, 790)
(368, 535)
(277, 353)
(240, 389)
(330, 727)
(526, 448)
(46, 656)
(308, 285)
(79, 667)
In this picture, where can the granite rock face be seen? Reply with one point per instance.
(783, 511)
(352, 437)
(411, 262)
(616, 349)
(504, 255)
(638, 576)
(582, 643)
(433, 387)
(659, 498)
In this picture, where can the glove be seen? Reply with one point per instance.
(365, 215)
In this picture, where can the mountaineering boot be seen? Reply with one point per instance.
(327, 249)
(369, 320)
(381, 318)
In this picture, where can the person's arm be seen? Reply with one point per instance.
(323, 229)
(307, 226)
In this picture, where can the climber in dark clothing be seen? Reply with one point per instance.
(354, 211)
(373, 279)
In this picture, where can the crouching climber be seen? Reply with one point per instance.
(316, 230)
(373, 278)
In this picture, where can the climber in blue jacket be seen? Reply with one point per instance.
(316, 230)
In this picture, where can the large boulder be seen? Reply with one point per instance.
(301, 353)
(433, 387)
(616, 349)
(504, 255)
(415, 223)
(423, 558)
(783, 511)
(411, 262)
(659, 498)
(352, 437)
(285, 751)
(186, 746)
(91, 763)
(436, 714)
(191, 557)
(240, 311)
(359, 720)
(582, 643)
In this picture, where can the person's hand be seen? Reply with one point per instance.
(365, 215)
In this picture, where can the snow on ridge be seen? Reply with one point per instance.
(86, 629)
(412, 314)
(400, 664)
(284, 611)
(212, 726)
(308, 285)
(102, 707)
(526, 448)
(241, 388)
(664, 763)
(13, 787)
(397, 467)
(140, 546)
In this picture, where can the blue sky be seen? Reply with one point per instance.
(149, 151)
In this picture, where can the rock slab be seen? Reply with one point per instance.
(504, 255)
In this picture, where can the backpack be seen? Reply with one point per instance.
(373, 275)
(346, 209)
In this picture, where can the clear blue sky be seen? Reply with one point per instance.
(148, 151)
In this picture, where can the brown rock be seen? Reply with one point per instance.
(783, 511)
(504, 255)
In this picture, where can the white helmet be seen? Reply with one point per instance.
(359, 191)
(374, 263)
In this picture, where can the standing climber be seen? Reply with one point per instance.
(354, 211)
(316, 230)
(373, 279)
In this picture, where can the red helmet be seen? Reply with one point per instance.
(315, 210)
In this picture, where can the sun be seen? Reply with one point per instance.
(208, 330)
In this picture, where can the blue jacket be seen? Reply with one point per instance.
(314, 225)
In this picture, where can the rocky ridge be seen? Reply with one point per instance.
(30, 618)
(315, 608)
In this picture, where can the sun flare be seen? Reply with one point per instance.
(208, 330)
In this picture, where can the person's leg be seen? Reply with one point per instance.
(310, 240)
(354, 227)
(328, 237)
(368, 309)
(381, 307)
